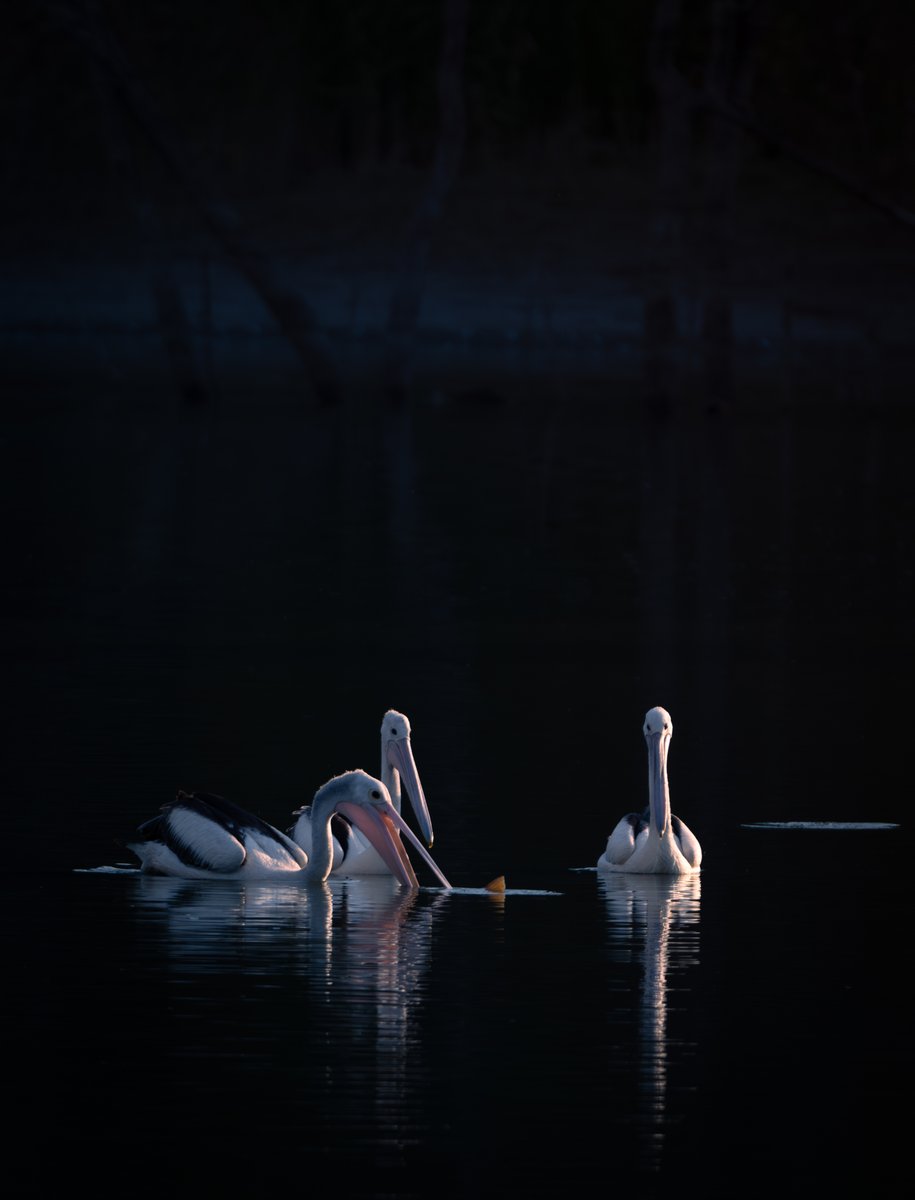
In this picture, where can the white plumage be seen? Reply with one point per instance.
(653, 842)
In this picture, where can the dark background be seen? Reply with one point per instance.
(321, 185)
(565, 348)
(519, 366)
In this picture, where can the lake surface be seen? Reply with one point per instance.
(230, 597)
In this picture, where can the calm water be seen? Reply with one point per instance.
(231, 599)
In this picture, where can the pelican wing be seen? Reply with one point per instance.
(622, 841)
(250, 829)
(213, 834)
(200, 841)
(688, 842)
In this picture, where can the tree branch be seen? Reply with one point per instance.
(291, 313)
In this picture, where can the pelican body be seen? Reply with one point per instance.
(653, 842)
(353, 853)
(203, 836)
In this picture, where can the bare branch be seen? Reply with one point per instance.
(291, 313)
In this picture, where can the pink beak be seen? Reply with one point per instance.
(380, 823)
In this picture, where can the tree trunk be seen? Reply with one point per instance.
(669, 207)
(729, 73)
(403, 314)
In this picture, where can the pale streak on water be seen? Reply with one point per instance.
(654, 918)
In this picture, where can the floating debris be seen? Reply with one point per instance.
(820, 825)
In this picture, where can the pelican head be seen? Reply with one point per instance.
(398, 766)
(366, 803)
(658, 721)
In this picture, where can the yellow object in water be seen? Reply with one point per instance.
(496, 885)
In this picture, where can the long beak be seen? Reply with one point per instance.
(424, 853)
(657, 798)
(380, 824)
(400, 757)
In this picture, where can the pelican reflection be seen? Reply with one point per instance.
(664, 909)
(203, 927)
(324, 986)
(350, 935)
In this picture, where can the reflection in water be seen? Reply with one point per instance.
(665, 909)
(366, 913)
(205, 925)
(349, 956)
(382, 946)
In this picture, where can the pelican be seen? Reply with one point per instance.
(653, 842)
(353, 853)
(202, 836)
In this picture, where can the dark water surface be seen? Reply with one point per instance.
(229, 598)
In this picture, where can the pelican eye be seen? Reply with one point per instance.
(376, 795)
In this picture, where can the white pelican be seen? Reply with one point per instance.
(353, 853)
(653, 842)
(202, 836)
